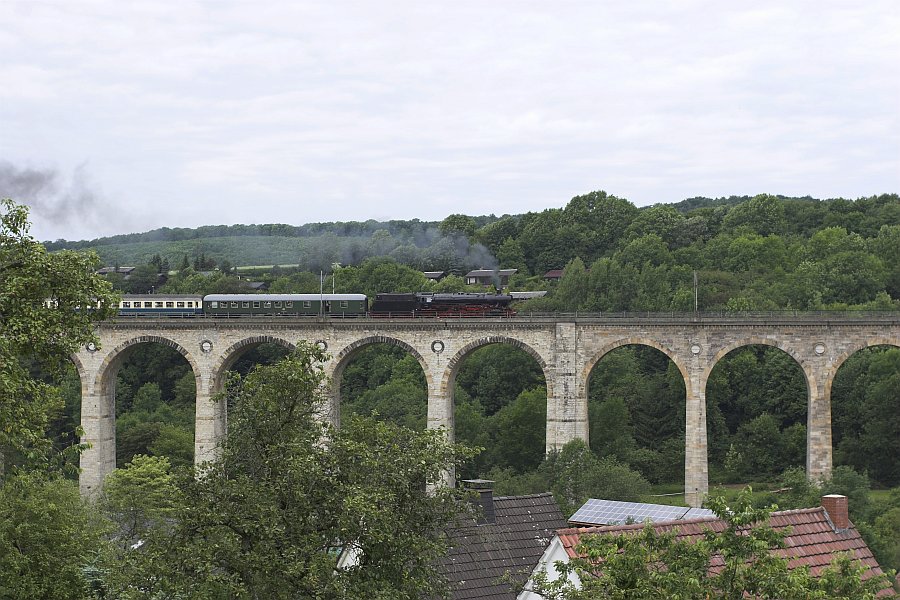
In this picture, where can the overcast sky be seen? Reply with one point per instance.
(127, 116)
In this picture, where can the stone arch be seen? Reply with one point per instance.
(632, 341)
(818, 417)
(79, 366)
(342, 357)
(853, 349)
(83, 377)
(449, 375)
(234, 352)
(808, 371)
(102, 381)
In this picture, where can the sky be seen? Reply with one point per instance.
(118, 117)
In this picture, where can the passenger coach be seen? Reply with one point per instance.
(311, 305)
(171, 305)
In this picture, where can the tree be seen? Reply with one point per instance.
(763, 214)
(575, 474)
(458, 225)
(289, 493)
(139, 497)
(44, 318)
(657, 566)
(47, 533)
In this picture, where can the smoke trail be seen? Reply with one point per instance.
(73, 204)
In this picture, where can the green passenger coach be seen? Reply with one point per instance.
(309, 305)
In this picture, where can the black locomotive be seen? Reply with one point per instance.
(428, 304)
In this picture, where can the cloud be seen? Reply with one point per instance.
(318, 111)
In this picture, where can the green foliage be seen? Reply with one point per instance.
(636, 410)
(269, 519)
(576, 474)
(458, 224)
(43, 320)
(865, 412)
(47, 533)
(139, 497)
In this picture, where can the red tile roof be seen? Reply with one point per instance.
(812, 539)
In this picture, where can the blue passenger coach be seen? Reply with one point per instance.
(170, 305)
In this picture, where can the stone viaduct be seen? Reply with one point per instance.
(566, 348)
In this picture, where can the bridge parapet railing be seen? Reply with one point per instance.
(886, 317)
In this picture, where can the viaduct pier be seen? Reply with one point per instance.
(567, 347)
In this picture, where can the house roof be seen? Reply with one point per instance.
(528, 295)
(108, 270)
(491, 272)
(482, 555)
(553, 274)
(812, 539)
(433, 274)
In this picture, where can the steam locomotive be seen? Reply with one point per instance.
(427, 304)
(389, 305)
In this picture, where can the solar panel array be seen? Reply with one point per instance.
(614, 512)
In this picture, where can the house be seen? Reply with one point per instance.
(527, 295)
(256, 286)
(495, 277)
(553, 275)
(814, 536)
(124, 271)
(434, 275)
(494, 556)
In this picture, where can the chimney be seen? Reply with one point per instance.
(485, 489)
(836, 507)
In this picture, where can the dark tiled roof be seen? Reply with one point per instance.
(553, 274)
(812, 540)
(482, 555)
(108, 270)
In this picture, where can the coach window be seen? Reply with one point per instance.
(159, 305)
(307, 304)
(255, 304)
(190, 304)
(278, 304)
(126, 305)
(289, 304)
(179, 304)
(267, 305)
(245, 304)
(344, 304)
(214, 305)
(170, 305)
(234, 305)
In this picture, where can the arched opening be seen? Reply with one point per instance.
(384, 380)
(865, 414)
(262, 354)
(636, 407)
(152, 390)
(757, 402)
(500, 404)
(241, 358)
